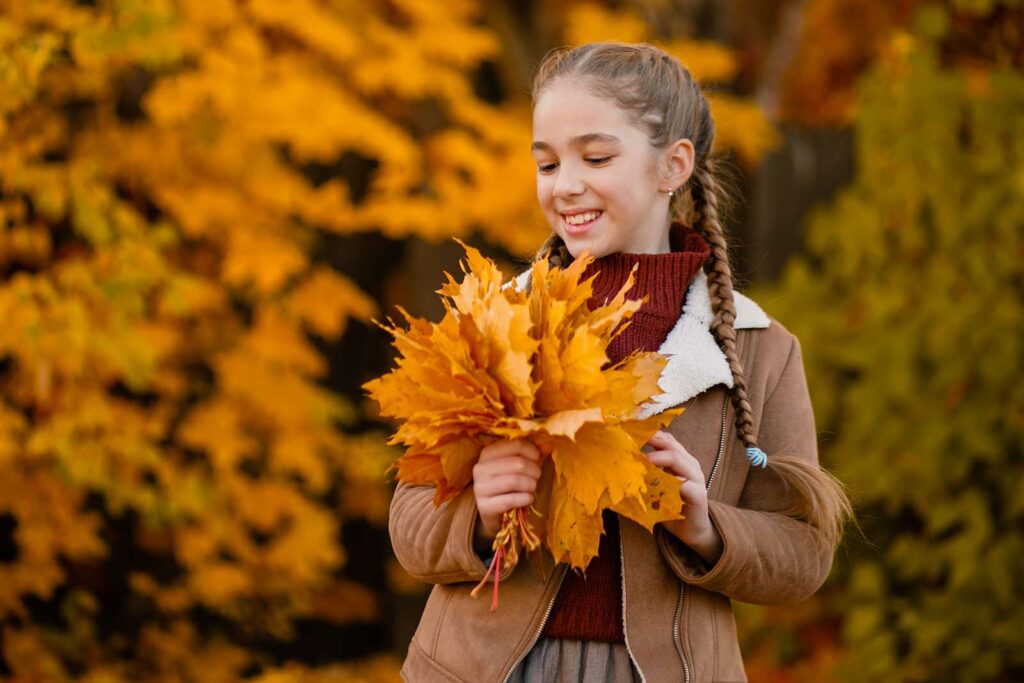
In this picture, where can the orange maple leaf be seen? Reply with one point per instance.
(508, 364)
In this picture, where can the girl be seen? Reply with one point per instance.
(621, 131)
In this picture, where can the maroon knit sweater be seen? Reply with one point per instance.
(590, 608)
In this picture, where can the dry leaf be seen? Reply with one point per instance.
(507, 364)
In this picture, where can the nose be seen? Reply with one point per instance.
(568, 183)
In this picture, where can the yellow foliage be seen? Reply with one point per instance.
(28, 656)
(176, 651)
(325, 301)
(588, 21)
(158, 219)
(741, 125)
(157, 226)
(362, 496)
(508, 364)
(708, 61)
(51, 526)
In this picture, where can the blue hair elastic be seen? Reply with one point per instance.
(757, 457)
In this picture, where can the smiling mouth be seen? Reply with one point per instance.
(579, 222)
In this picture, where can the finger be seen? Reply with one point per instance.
(690, 465)
(512, 464)
(672, 462)
(500, 449)
(505, 483)
(665, 441)
(692, 491)
(499, 504)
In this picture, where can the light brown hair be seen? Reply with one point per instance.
(660, 96)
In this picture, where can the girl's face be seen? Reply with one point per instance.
(597, 175)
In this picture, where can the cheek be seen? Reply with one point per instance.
(630, 196)
(614, 193)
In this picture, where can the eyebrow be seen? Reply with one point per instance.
(578, 141)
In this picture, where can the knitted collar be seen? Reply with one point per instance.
(695, 362)
(663, 278)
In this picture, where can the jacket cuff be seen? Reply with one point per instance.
(691, 567)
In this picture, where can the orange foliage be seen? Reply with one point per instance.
(840, 39)
(164, 435)
(509, 364)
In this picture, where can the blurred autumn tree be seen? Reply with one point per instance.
(174, 473)
(171, 467)
(909, 310)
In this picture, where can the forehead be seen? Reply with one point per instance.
(568, 113)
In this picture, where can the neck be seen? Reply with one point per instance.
(659, 244)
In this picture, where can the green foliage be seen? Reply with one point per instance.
(908, 307)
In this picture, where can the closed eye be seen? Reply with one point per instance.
(548, 168)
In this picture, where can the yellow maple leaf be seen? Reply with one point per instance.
(573, 534)
(601, 460)
(507, 364)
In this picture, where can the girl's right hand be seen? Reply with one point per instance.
(504, 478)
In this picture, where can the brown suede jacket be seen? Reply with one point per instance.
(678, 616)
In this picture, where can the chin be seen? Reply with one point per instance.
(578, 249)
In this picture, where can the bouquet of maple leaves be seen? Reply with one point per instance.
(509, 364)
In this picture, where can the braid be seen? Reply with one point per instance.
(820, 497)
(555, 251)
(704, 191)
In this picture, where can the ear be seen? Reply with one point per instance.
(677, 164)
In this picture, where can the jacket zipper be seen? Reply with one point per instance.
(625, 635)
(675, 632)
(622, 563)
(682, 584)
(721, 441)
(543, 622)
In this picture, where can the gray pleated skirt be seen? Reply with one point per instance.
(558, 660)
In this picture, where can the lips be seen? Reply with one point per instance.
(578, 228)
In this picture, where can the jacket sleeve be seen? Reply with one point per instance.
(435, 543)
(768, 557)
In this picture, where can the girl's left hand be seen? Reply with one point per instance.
(695, 529)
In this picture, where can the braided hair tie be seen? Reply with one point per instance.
(757, 457)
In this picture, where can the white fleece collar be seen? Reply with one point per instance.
(695, 362)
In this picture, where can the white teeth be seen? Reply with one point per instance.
(579, 218)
